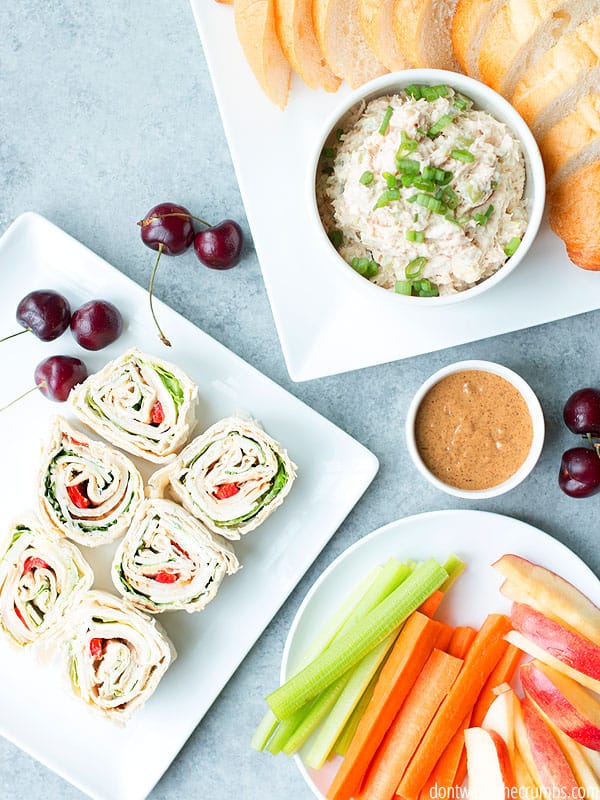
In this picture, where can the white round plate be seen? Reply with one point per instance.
(478, 537)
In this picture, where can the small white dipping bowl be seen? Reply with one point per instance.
(485, 99)
(537, 421)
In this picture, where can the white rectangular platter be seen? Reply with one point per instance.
(103, 760)
(324, 325)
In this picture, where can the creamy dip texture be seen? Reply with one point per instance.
(423, 195)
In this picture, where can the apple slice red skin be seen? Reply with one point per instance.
(479, 739)
(566, 645)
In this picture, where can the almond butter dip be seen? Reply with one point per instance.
(473, 430)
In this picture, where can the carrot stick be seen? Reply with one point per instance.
(406, 660)
(409, 726)
(444, 636)
(461, 640)
(502, 673)
(483, 655)
(431, 605)
(444, 772)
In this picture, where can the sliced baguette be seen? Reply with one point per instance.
(573, 137)
(587, 83)
(558, 70)
(469, 25)
(255, 27)
(376, 19)
(422, 30)
(574, 215)
(295, 30)
(340, 36)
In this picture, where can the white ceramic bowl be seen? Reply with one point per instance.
(537, 420)
(487, 100)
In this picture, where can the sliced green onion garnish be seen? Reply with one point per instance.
(365, 267)
(433, 292)
(415, 217)
(336, 237)
(387, 197)
(408, 165)
(385, 122)
(415, 267)
(432, 203)
(462, 103)
(328, 152)
(450, 197)
(483, 218)
(366, 178)
(512, 245)
(425, 186)
(407, 144)
(462, 155)
(439, 176)
(338, 134)
(415, 236)
(414, 90)
(403, 287)
(390, 180)
(407, 180)
(432, 93)
(424, 285)
(421, 131)
(439, 126)
(372, 269)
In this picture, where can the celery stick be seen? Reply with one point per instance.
(455, 567)
(286, 728)
(317, 713)
(360, 678)
(346, 736)
(350, 647)
(269, 722)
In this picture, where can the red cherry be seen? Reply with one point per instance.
(57, 375)
(220, 246)
(96, 324)
(43, 312)
(167, 227)
(582, 412)
(579, 474)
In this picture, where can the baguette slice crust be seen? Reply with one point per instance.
(340, 36)
(573, 136)
(574, 215)
(469, 24)
(559, 69)
(255, 27)
(376, 19)
(422, 29)
(296, 33)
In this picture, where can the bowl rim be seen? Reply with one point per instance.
(485, 98)
(537, 420)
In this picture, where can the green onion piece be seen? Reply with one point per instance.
(415, 267)
(403, 287)
(421, 131)
(461, 102)
(439, 126)
(432, 203)
(462, 155)
(372, 269)
(494, 184)
(406, 144)
(390, 180)
(414, 90)
(415, 217)
(385, 122)
(433, 292)
(415, 236)
(360, 265)
(386, 198)
(439, 176)
(482, 219)
(450, 197)
(407, 180)
(424, 284)
(511, 248)
(425, 186)
(328, 152)
(412, 198)
(339, 133)
(366, 178)
(336, 237)
(432, 93)
(408, 165)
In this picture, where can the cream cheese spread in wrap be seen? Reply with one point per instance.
(231, 477)
(116, 655)
(168, 560)
(87, 490)
(140, 403)
(42, 576)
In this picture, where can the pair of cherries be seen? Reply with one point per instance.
(169, 229)
(579, 474)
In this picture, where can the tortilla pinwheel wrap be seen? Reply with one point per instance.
(140, 403)
(231, 478)
(168, 560)
(87, 490)
(116, 655)
(42, 577)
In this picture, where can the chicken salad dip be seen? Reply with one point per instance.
(423, 194)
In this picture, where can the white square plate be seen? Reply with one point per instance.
(324, 325)
(106, 761)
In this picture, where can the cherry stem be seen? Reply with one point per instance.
(143, 223)
(594, 442)
(161, 335)
(21, 396)
(12, 336)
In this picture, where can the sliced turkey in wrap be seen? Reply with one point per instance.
(42, 576)
(168, 560)
(141, 404)
(231, 477)
(88, 491)
(116, 655)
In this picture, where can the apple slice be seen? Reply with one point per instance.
(582, 770)
(566, 703)
(255, 27)
(549, 593)
(543, 756)
(527, 786)
(535, 651)
(488, 765)
(500, 717)
(563, 643)
(593, 759)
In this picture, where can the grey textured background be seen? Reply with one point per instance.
(106, 108)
